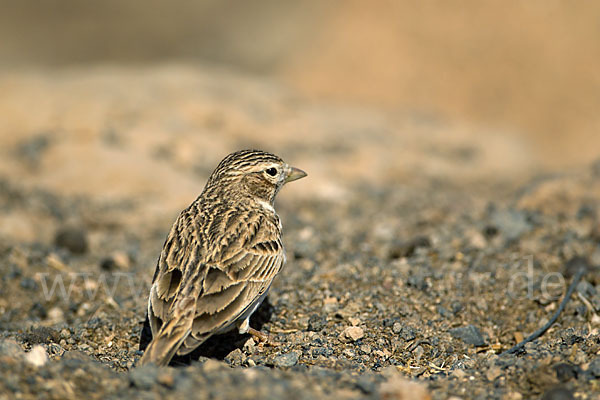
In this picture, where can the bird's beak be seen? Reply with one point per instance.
(294, 174)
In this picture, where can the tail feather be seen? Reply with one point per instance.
(178, 323)
(166, 343)
(169, 338)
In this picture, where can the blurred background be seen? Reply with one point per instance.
(529, 69)
(445, 142)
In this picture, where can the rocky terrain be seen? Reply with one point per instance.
(417, 251)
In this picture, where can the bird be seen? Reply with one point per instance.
(220, 256)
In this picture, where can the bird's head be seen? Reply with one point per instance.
(254, 173)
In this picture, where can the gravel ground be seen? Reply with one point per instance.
(395, 287)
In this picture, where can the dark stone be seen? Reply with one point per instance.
(586, 289)
(468, 334)
(14, 271)
(117, 261)
(575, 264)
(558, 393)
(387, 322)
(94, 323)
(72, 239)
(286, 360)
(594, 368)
(407, 333)
(317, 341)
(407, 249)
(28, 283)
(31, 150)
(490, 231)
(418, 280)
(586, 211)
(566, 371)
(444, 312)
(456, 307)
(108, 264)
(316, 323)
(581, 309)
(41, 335)
(321, 351)
(38, 310)
(572, 339)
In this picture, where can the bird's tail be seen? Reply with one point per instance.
(170, 337)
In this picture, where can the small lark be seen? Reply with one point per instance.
(220, 256)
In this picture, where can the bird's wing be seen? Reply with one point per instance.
(197, 292)
(183, 250)
(171, 305)
(237, 279)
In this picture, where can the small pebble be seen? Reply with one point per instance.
(406, 249)
(249, 346)
(56, 315)
(73, 239)
(468, 334)
(365, 348)
(118, 260)
(316, 323)
(594, 367)
(352, 334)
(286, 360)
(349, 353)
(28, 283)
(565, 371)
(407, 333)
(37, 356)
(236, 357)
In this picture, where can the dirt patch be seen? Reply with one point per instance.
(414, 258)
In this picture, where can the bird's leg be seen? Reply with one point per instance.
(258, 335)
(261, 337)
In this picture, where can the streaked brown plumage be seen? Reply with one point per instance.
(220, 256)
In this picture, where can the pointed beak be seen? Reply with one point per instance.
(294, 174)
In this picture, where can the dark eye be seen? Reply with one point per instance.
(271, 171)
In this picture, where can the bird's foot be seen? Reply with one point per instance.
(262, 337)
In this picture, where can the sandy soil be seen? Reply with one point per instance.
(418, 249)
(525, 69)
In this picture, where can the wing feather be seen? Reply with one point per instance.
(231, 274)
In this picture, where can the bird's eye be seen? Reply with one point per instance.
(271, 171)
